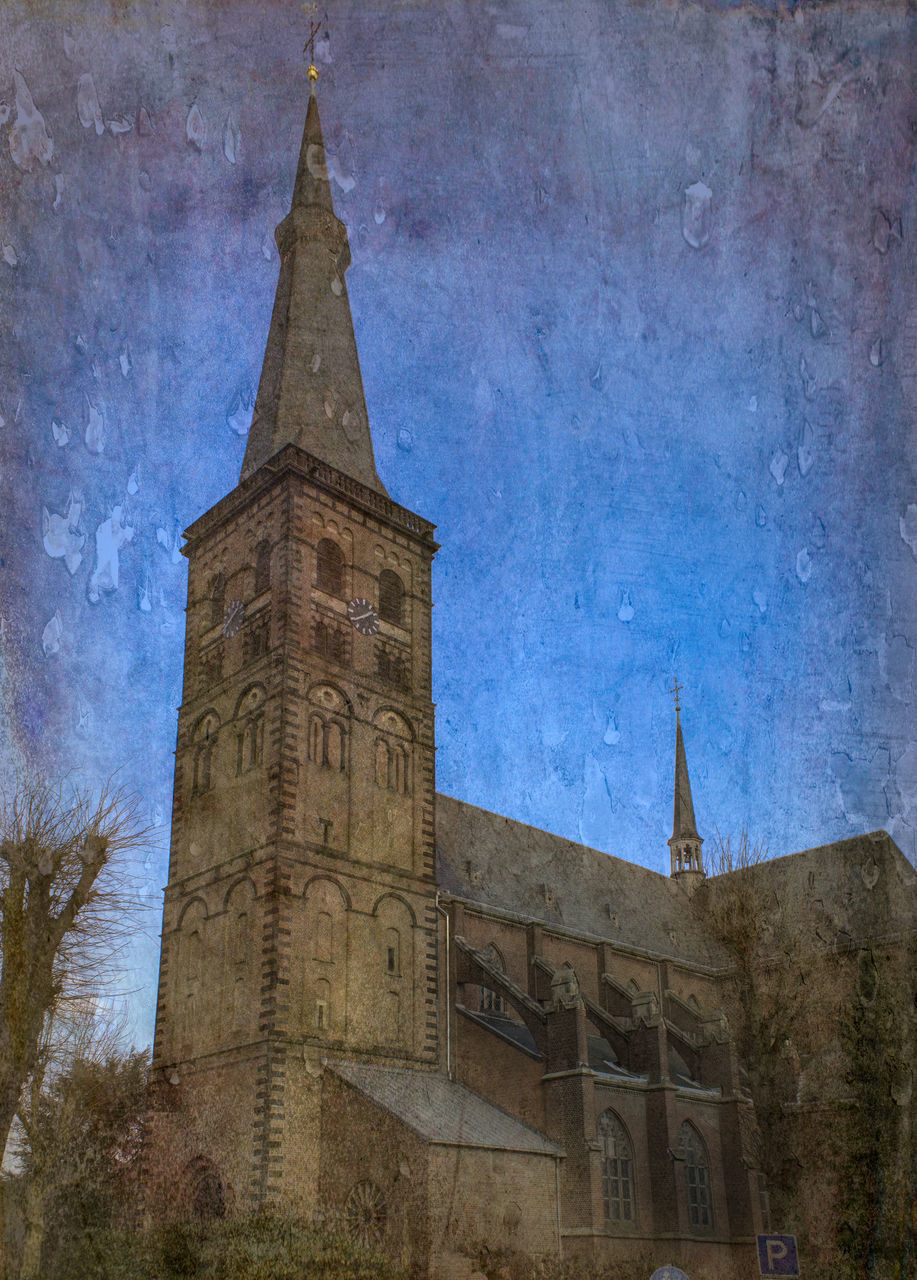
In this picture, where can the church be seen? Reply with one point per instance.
(385, 1009)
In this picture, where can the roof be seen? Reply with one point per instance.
(842, 893)
(511, 867)
(442, 1111)
(683, 824)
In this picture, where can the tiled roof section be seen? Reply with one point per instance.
(499, 863)
(442, 1111)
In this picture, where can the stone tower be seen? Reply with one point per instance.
(299, 920)
(684, 843)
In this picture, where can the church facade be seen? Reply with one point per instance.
(379, 1007)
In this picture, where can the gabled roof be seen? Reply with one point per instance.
(442, 1111)
(511, 867)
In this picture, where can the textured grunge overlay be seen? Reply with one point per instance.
(632, 288)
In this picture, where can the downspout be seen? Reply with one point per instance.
(560, 1249)
(448, 1001)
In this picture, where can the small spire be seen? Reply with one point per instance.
(685, 844)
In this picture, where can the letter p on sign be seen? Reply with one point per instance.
(777, 1256)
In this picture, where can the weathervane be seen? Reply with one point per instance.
(310, 10)
(676, 689)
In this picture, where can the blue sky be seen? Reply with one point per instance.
(632, 289)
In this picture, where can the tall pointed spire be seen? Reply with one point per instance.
(311, 390)
(685, 843)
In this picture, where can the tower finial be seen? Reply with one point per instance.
(310, 10)
(676, 689)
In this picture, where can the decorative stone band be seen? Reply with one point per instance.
(292, 458)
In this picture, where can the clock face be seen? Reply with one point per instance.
(232, 619)
(363, 616)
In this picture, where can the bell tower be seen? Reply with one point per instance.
(299, 922)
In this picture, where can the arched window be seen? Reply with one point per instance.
(617, 1169)
(329, 567)
(393, 953)
(206, 1194)
(391, 597)
(217, 599)
(492, 1001)
(697, 1178)
(205, 738)
(262, 567)
(322, 1005)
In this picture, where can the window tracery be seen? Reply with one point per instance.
(617, 1169)
(697, 1178)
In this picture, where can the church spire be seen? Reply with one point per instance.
(311, 390)
(685, 843)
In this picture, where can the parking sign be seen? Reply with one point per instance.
(777, 1256)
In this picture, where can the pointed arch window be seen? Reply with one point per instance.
(329, 567)
(617, 1169)
(391, 597)
(697, 1178)
(262, 567)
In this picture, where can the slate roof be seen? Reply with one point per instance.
(442, 1111)
(499, 863)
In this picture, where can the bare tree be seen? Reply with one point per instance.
(61, 919)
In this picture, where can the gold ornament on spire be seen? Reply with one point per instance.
(310, 10)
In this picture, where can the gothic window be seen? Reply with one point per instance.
(697, 1178)
(391, 597)
(393, 953)
(323, 937)
(617, 1169)
(217, 599)
(262, 567)
(329, 567)
(492, 1001)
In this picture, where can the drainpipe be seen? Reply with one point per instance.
(560, 1249)
(448, 1001)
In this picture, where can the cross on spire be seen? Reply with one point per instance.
(676, 689)
(310, 10)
